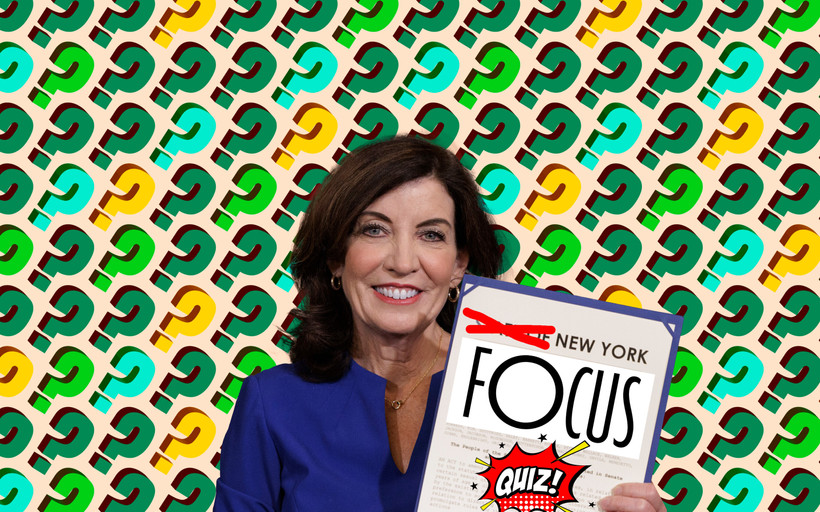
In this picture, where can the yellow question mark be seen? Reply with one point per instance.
(138, 188)
(197, 14)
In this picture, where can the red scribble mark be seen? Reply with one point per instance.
(530, 482)
(517, 332)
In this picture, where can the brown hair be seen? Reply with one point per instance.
(324, 334)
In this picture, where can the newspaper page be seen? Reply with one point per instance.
(548, 401)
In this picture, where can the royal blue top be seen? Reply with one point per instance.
(297, 446)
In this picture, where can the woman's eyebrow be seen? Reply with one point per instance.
(434, 221)
(378, 215)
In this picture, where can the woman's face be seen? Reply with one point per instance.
(402, 260)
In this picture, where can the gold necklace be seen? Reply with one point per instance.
(396, 404)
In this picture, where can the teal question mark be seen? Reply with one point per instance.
(745, 490)
(15, 14)
(804, 425)
(442, 67)
(747, 186)
(625, 188)
(138, 67)
(77, 370)
(77, 66)
(256, 16)
(505, 187)
(199, 66)
(380, 15)
(563, 247)
(745, 65)
(625, 65)
(133, 18)
(17, 249)
(76, 186)
(138, 310)
(318, 16)
(564, 65)
(686, 127)
(199, 188)
(259, 126)
(259, 187)
(198, 250)
(17, 489)
(746, 248)
(804, 17)
(685, 248)
(625, 126)
(625, 247)
(76, 247)
(259, 65)
(503, 127)
(16, 308)
(259, 247)
(686, 188)
(321, 65)
(137, 371)
(16, 66)
(16, 126)
(686, 66)
(76, 490)
(805, 61)
(138, 248)
(199, 127)
(745, 369)
(503, 65)
(77, 430)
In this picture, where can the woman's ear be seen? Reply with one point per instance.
(459, 267)
(335, 267)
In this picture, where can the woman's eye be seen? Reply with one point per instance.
(372, 230)
(433, 236)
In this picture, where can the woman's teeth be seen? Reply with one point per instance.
(397, 293)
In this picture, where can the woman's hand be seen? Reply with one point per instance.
(633, 497)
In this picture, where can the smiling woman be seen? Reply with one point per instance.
(378, 257)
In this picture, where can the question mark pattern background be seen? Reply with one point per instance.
(157, 156)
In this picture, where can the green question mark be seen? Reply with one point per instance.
(77, 369)
(685, 187)
(503, 64)
(138, 248)
(199, 188)
(260, 188)
(380, 15)
(77, 66)
(17, 249)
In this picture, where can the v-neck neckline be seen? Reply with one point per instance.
(426, 422)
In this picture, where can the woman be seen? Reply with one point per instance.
(379, 257)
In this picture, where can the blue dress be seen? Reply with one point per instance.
(297, 446)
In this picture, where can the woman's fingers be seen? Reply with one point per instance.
(633, 497)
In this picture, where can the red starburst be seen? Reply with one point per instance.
(530, 481)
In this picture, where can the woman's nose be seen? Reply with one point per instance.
(402, 257)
